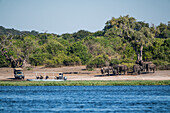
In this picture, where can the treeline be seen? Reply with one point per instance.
(122, 41)
(4, 31)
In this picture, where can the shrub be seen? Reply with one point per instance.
(68, 61)
(37, 59)
(4, 62)
(98, 62)
(76, 60)
(52, 63)
(129, 65)
(72, 60)
(79, 50)
(114, 62)
(127, 60)
(162, 65)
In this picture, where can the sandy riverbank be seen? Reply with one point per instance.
(80, 73)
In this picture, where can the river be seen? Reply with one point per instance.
(105, 99)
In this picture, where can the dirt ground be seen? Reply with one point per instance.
(80, 73)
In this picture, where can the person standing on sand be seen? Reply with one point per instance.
(41, 77)
(37, 77)
(46, 77)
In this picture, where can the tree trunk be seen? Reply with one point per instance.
(138, 56)
(141, 49)
(137, 53)
(24, 62)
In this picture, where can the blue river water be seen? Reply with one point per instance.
(77, 99)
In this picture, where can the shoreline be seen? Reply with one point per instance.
(78, 73)
(87, 83)
(79, 76)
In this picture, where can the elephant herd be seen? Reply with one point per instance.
(139, 67)
(143, 66)
(116, 69)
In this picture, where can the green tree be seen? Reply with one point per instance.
(137, 33)
(98, 61)
(81, 34)
(79, 50)
(98, 33)
(53, 47)
(164, 31)
(6, 49)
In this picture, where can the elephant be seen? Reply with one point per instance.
(144, 65)
(137, 69)
(120, 68)
(106, 70)
(114, 71)
(116, 68)
(151, 67)
(123, 68)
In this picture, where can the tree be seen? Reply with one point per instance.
(53, 46)
(98, 61)
(137, 33)
(67, 36)
(27, 47)
(81, 34)
(164, 31)
(6, 51)
(16, 51)
(80, 51)
(98, 33)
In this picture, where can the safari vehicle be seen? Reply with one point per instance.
(61, 77)
(46, 76)
(18, 73)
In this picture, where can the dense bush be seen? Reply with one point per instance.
(72, 60)
(162, 65)
(4, 62)
(98, 61)
(79, 50)
(114, 62)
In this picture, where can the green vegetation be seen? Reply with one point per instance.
(82, 83)
(122, 41)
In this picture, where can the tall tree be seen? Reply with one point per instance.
(5, 49)
(137, 33)
(16, 51)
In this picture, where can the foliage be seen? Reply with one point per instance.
(162, 65)
(4, 31)
(99, 61)
(136, 33)
(164, 31)
(72, 60)
(114, 62)
(37, 59)
(98, 33)
(122, 41)
(4, 62)
(130, 66)
(80, 34)
(79, 50)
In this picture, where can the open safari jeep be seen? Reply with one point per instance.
(18, 73)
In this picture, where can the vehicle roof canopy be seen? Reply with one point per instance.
(18, 69)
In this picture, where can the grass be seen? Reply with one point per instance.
(83, 83)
